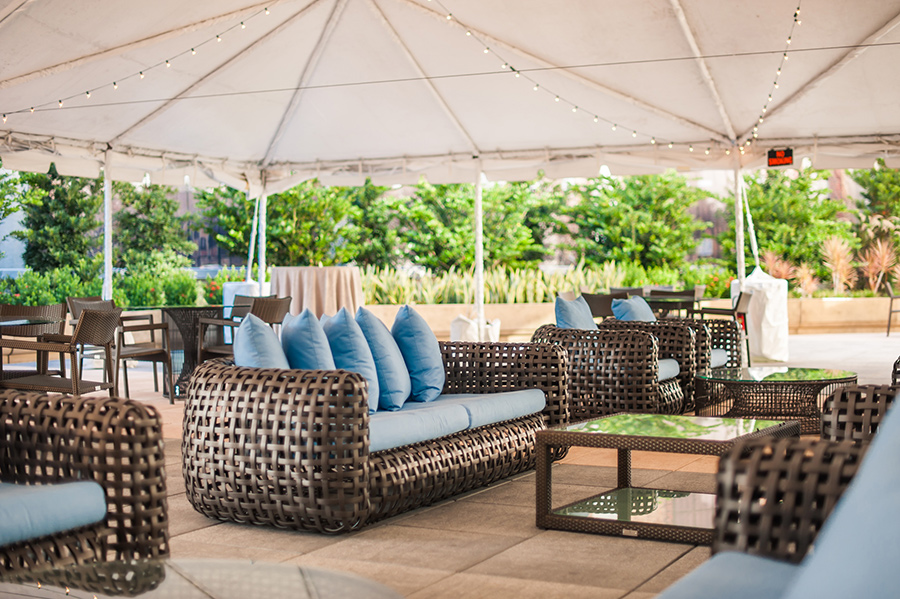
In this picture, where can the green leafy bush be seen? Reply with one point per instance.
(180, 288)
(212, 287)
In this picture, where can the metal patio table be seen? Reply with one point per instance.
(770, 392)
(660, 514)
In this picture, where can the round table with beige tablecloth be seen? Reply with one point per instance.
(321, 289)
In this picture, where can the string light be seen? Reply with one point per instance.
(243, 25)
(707, 151)
(653, 140)
(267, 11)
(115, 85)
(142, 74)
(87, 94)
(671, 145)
(614, 126)
(556, 99)
(218, 38)
(690, 148)
(193, 52)
(168, 64)
(60, 103)
(634, 134)
(4, 118)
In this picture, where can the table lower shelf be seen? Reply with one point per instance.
(657, 514)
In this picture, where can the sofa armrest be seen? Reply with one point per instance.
(610, 370)
(855, 412)
(492, 367)
(115, 442)
(726, 334)
(277, 446)
(677, 341)
(773, 495)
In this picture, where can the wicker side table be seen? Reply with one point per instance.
(770, 392)
(636, 512)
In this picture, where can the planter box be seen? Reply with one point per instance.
(839, 315)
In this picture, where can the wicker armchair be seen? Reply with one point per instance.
(290, 448)
(775, 494)
(614, 369)
(115, 442)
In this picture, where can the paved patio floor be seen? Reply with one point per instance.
(485, 543)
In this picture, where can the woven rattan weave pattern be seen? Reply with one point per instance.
(613, 370)
(115, 442)
(547, 441)
(773, 495)
(289, 448)
(855, 412)
(677, 341)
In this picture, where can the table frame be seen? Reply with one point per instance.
(547, 440)
(776, 400)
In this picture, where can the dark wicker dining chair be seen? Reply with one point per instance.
(94, 328)
(52, 312)
(270, 310)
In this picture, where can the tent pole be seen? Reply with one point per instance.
(107, 228)
(249, 276)
(263, 200)
(739, 223)
(479, 256)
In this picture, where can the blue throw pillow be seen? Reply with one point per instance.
(634, 308)
(305, 343)
(393, 377)
(421, 353)
(351, 351)
(574, 314)
(257, 346)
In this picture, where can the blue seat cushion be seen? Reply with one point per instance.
(735, 576)
(574, 314)
(305, 344)
(668, 369)
(414, 423)
(718, 358)
(634, 308)
(488, 408)
(350, 351)
(257, 346)
(422, 354)
(32, 511)
(393, 378)
(856, 553)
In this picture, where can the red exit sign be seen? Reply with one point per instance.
(781, 157)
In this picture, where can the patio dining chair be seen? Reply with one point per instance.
(212, 344)
(56, 313)
(601, 303)
(96, 328)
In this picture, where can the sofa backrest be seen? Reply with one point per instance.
(857, 552)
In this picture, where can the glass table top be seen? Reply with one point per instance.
(647, 506)
(672, 427)
(775, 374)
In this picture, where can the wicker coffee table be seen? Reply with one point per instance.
(635, 512)
(775, 392)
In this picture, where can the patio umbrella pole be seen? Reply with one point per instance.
(249, 276)
(479, 257)
(738, 222)
(107, 229)
(263, 200)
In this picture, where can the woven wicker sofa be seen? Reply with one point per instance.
(116, 443)
(290, 448)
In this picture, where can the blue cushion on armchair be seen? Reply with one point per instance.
(350, 351)
(574, 314)
(393, 377)
(421, 353)
(634, 308)
(257, 346)
(305, 343)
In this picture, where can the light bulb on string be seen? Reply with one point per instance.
(468, 33)
(243, 25)
(596, 119)
(218, 38)
(728, 151)
(267, 11)
(671, 145)
(536, 86)
(614, 127)
(789, 41)
(142, 74)
(449, 17)
(168, 64)
(690, 148)
(707, 151)
(115, 85)
(4, 118)
(517, 73)
(634, 134)
(87, 94)
(574, 109)
(785, 56)
(193, 52)
(32, 109)
(556, 99)
(653, 141)
(60, 103)
(486, 49)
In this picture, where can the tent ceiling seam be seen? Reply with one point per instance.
(310, 66)
(11, 10)
(171, 101)
(834, 68)
(629, 99)
(159, 37)
(428, 82)
(704, 68)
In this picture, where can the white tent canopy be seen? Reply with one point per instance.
(393, 89)
(261, 95)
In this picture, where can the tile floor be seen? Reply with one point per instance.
(485, 543)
